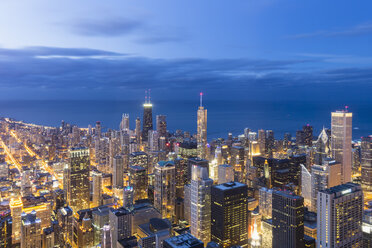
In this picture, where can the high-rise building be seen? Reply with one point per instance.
(288, 220)
(138, 130)
(201, 204)
(341, 142)
(139, 159)
(225, 173)
(97, 188)
(262, 141)
(185, 240)
(306, 188)
(339, 216)
(181, 176)
(366, 149)
(324, 176)
(124, 124)
(6, 229)
(367, 229)
(138, 180)
(161, 125)
(270, 142)
(238, 162)
(153, 140)
(165, 188)
(147, 118)
(31, 231)
(98, 130)
(307, 135)
(323, 146)
(120, 224)
(118, 173)
(265, 202)
(267, 233)
(187, 202)
(202, 130)
(195, 161)
(16, 206)
(229, 206)
(78, 192)
(106, 237)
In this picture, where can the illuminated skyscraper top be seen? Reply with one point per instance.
(202, 129)
(147, 116)
(341, 141)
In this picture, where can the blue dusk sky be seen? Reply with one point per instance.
(229, 49)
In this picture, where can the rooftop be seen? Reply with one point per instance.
(230, 185)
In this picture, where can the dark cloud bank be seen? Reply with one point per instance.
(96, 74)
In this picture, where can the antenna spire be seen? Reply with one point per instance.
(149, 95)
(201, 99)
(145, 96)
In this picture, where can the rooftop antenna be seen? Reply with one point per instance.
(149, 95)
(201, 99)
(145, 96)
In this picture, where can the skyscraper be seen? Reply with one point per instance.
(98, 130)
(202, 129)
(138, 130)
(147, 118)
(288, 220)
(161, 125)
(31, 231)
(165, 188)
(341, 142)
(97, 188)
(366, 149)
(124, 124)
(120, 224)
(118, 173)
(262, 141)
(201, 204)
(5, 229)
(138, 180)
(225, 173)
(78, 191)
(324, 176)
(265, 202)
(229, 206)
(340, 215)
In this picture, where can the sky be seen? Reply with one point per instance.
(229, 49)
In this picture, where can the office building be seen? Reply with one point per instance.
(226, 199)
(97, 188)
(139, 159)
(183, 241)
(118, 172)
(341, 142)
(367, 229)
(339, 216)
(147, 118)
(225, 173)
(165, 188)
(324, 176)
(201, 204)
(138, 181)
(265, 202)
(31, 231)
(120, 224)
(195, 161)
(124, 124)
(323, 146)
(16, 206)
(161, 125)
(366, 163)
(181, 176)
(5, 229)
(288, 220)
(238, 163)
(78, 191)
(138, 131)
(202, 130)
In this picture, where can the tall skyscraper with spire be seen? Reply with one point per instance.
(341, 142)
(147, 117)
(124, 124)
(202, 129)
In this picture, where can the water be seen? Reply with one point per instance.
(223, 116)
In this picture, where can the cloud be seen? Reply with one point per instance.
(139, 30)
(106, 27)
(97, 72)
(361, 29)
